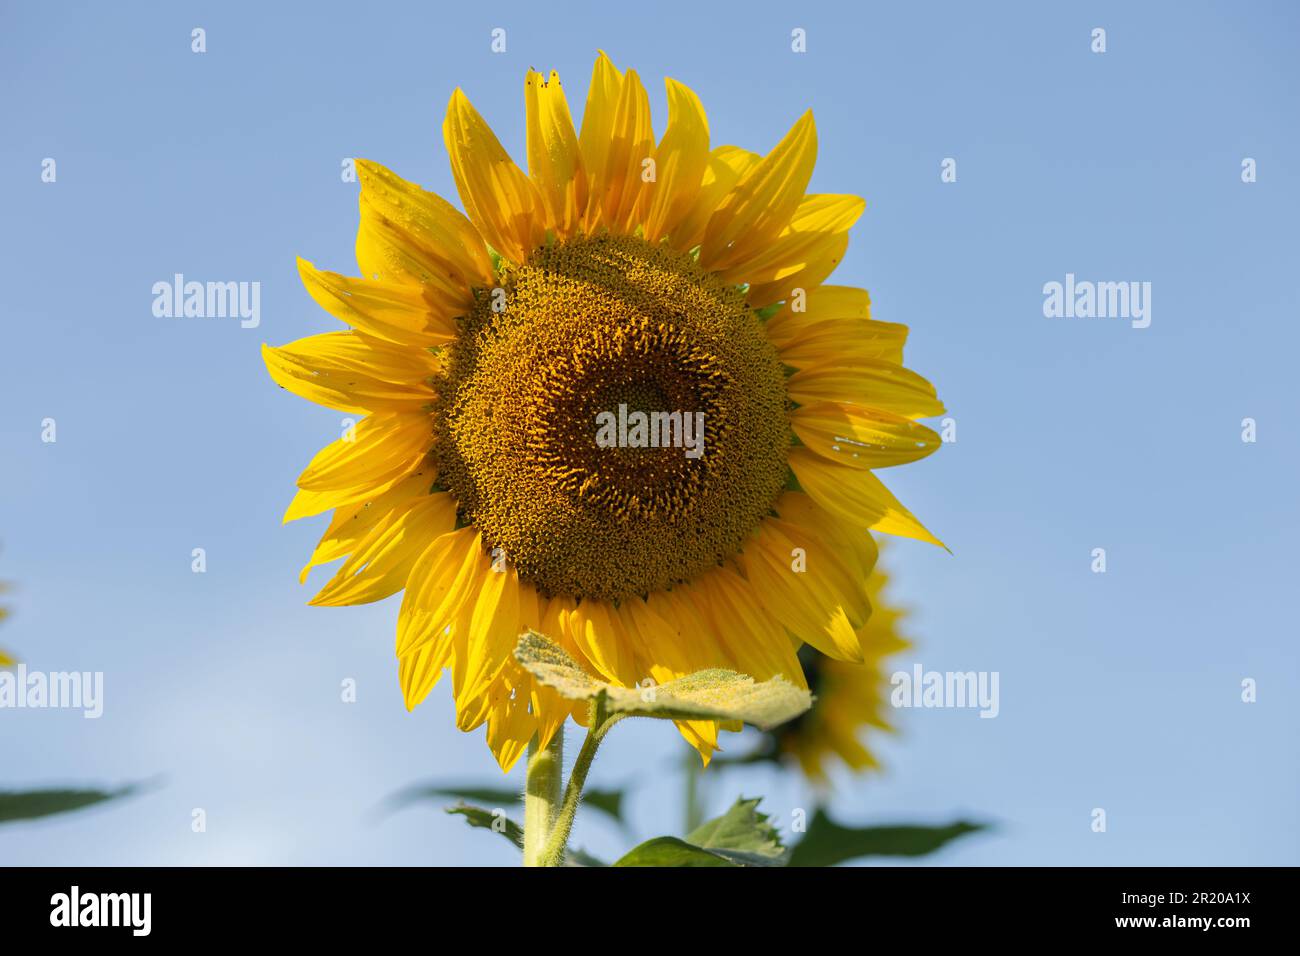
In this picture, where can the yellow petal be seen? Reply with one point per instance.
(394, 312)
(554, 160)
(385, 446)
(871, 383)
(305, 503)
(598, 118)
(818, 304)
(680, 161)
(442, 585)
(345, 371)
(823, 259)
(857, 551)
(856, 497)
(844, 339)
(661, 652)
(354, 520)
(861, 437)
(755, 639)
(817, 227)
(550, 709)
(499, 199)
(471, 712)
(510, 727)
(618, 197)
(382, 560)
(492, 634)
(764, 201)
(726, 165)
(419, 672)
(701, 735)
(813, 598)
(592, 630)
(408, 235)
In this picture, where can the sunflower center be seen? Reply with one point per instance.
(612, 418)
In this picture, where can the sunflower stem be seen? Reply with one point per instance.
(542, 796)
(692, 814)
(598, 725)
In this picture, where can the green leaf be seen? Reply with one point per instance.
(743, 835)
(487, 820)
(671, 851)
(827, 843)
(704, 695)
(34, 804)
(609, 802)
(740, 837)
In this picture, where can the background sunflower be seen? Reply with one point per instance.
(852, 700)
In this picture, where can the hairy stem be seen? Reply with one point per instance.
(542, 796)
(599, 724)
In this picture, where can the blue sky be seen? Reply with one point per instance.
(1118, 690)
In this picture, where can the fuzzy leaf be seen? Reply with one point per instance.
(740, 837)
(742, 834)
(705, 695)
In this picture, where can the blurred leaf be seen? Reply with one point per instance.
(419, 793)
(34, 804)
(704, 695)
(574, 857)
(609, 802)
(827, 843)
(740, 837)
(487, 820)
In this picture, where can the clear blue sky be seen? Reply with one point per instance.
(1119, 691)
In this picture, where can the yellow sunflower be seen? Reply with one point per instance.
(851, 699)
(622, 274)
(5, 659)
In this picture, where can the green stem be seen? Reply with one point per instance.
(692, 774)
(598, 725)
(542, 796)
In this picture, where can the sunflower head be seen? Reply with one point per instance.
(612, 401)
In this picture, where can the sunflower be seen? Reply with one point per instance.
(621, 274)
(5, 659)
(850, 698)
